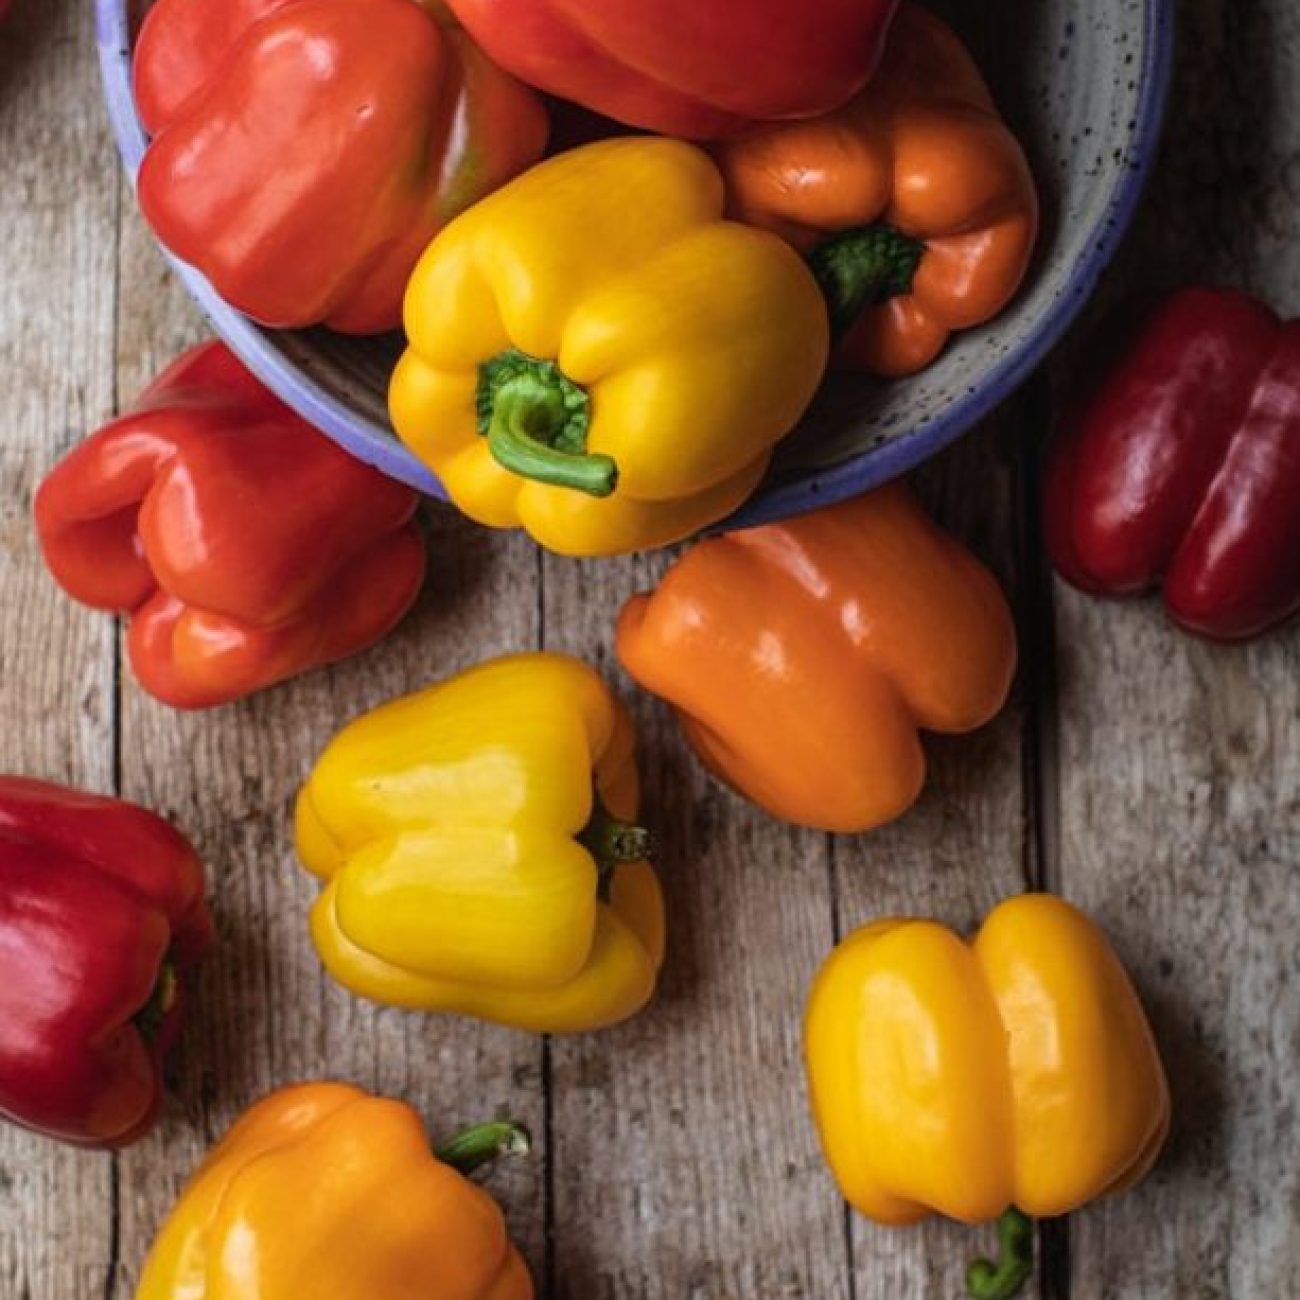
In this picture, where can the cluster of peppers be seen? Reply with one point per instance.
(477, 842)
(479, 852)
(606, 346)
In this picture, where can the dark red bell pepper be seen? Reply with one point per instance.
(1183, 468)
(305, 152)
(245, 545)
(101, 917)
(681, 67)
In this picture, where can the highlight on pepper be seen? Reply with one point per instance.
(304, 152)
(263, 1213)
(595, 355)
(1013, 1072)
(1179, 470)
(914, 202)
(102, 917)
(479, 851)
(683, 68)
(802, 658)
(243, 545)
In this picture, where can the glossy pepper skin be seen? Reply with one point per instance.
(244, 545)
(1181, 469)
(802, 657)
(914, 201)
(683, 68)
(305, 151)
(596, 355)
(322, 1191)
(963, 1078)
(101, 917)
(478, 853)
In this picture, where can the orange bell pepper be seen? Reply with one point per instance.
(914, 201)
(802, 657)
(321, 1192)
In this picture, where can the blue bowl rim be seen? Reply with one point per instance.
(377, 445)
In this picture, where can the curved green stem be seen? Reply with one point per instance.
(986, 1280)
(864, 267)
(150, 1017)
(476, 1146)
(536, 421)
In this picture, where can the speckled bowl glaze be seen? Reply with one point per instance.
(1084, 85)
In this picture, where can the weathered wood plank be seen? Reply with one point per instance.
(964, 847)
(1180, 762)
(972, 839)
(1181, 835)
(57, 223)
(683, 1158)
(265, 1014)
(684, 1165)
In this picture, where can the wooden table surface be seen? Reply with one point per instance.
(1152, 779)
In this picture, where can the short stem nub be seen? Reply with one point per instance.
(536, 421)
(862, 268)
(474, 1147)
(613, 842)
(987, 1280)
(149, 1019)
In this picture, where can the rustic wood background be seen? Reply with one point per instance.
(1153, 779)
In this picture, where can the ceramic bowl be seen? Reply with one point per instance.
(1083, 85)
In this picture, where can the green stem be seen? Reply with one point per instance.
(986, 1280)
(150, 1017)
(862, 268)
(536, 422)
(613, 842)
(476, 1146)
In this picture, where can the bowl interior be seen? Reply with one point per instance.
(1083, 86)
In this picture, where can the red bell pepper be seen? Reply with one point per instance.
(245, 546)
(306, 151)
(1184, 467)
(684, 68)
(101, 916)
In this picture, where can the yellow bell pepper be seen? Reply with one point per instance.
(321, 1191)
(1014, 1071)
(597, 356)
(479, 852)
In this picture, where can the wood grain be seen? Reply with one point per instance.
(967, 843)
(685, 1166)
(1179, 780)
(1154, 780)
(1180, 834)
(57, 223)
(265, 1012)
